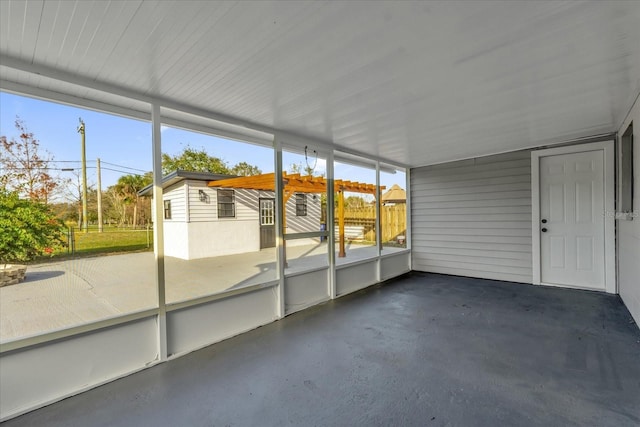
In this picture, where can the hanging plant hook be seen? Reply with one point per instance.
(306, 159)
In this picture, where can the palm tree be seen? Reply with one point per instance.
(128, 187)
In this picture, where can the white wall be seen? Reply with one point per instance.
(38, 375)
(305, 290)
(473, 217)
(394, 265)
(628, 240)
(223, 237)
(197, 326)
(176, 243)
(175, 229)
(353, 277)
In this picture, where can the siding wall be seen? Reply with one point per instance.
(303, 224)
(628, 239)
(246, 206)
(176, 193)
(246, 203)
(473, 217)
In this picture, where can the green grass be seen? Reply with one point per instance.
(112, 240)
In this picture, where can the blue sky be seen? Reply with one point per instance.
(127, 142)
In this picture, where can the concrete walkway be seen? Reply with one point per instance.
(68, 293)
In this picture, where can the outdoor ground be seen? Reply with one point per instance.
(111, 240)
(63, 293)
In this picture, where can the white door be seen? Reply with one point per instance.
(572, 220)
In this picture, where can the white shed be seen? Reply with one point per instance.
(202, 221)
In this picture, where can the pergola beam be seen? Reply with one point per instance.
(296, 183)
(293, 182)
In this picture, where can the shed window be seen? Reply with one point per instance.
(301, 205)
(167, 209)
(226, 204)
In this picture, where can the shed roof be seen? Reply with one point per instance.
(394, 195)
(180, 175)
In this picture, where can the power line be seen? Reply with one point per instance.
(124, 167)
(41, 169)
(73, 169)
(115, 170)
(103, 162)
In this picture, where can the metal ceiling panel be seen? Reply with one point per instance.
(416, 83)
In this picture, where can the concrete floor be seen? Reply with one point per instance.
(423, 350)
(62, 294)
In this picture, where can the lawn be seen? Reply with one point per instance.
(112, 240)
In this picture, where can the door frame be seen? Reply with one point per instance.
(260, 226)
(607, 147)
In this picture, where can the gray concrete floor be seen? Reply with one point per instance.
(62, 294)
(423, 350)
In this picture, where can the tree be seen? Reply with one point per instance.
(194, 160)
(354, 202)
(117, 207)
(28, 228)
(24, 169)
(65, 211)
(126, 192)
(73, 193)
(200, 161)
(245, 169)
(298, 168)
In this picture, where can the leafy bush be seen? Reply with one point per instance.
(27, 229)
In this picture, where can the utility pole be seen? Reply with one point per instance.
(99, 197)
(81, 131)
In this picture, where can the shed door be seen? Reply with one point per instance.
(572, 235)
(267, 223)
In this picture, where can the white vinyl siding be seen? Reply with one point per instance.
(309, 222)
(473, 217)
(246, 202)
(175, 194)
(246, 207)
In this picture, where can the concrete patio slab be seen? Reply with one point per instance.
(63, 294)
(421, 350)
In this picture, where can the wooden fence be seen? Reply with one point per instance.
(393, 221)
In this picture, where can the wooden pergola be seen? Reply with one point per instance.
(296, 183)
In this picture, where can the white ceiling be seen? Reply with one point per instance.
(416, 83)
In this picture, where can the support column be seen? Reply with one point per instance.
(342, 253)
(379, 210)
(330, 225)
(281, 257)
(378, 223)
(158, 241)
(100, 227)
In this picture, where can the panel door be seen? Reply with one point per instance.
(572, 235)
(267, 223)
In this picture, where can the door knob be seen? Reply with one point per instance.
(544, 221)
(544, 230)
